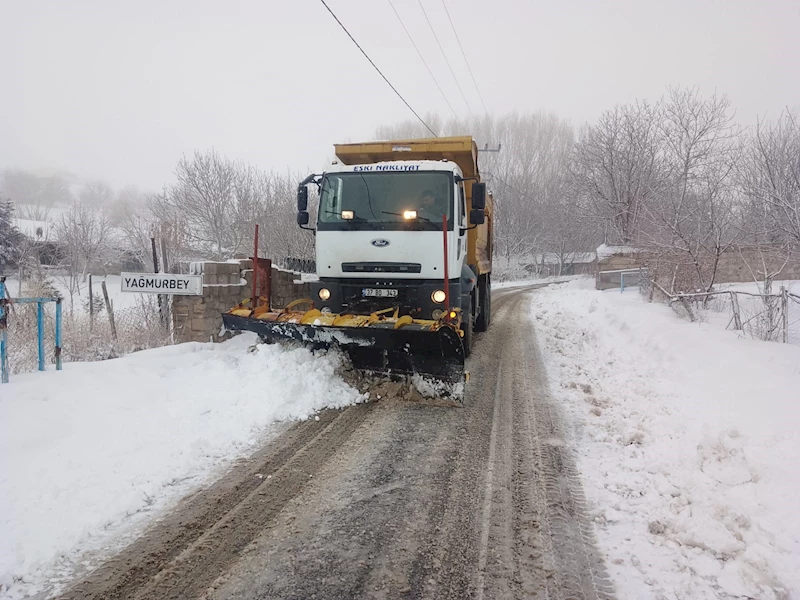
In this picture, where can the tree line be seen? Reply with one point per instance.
(678, 177)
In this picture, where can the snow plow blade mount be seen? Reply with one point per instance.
(375, 344)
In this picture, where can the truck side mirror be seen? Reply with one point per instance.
(302, 218)
(302, 199)
(476, 216)
(479, 195)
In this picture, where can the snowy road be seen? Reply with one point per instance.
(389, 500)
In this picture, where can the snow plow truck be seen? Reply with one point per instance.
(404, 259)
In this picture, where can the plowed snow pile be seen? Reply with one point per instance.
(88, 455)
(689, 444)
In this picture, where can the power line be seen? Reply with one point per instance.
(389, 83)
(433, 31)
(424, 62)
(465, 57)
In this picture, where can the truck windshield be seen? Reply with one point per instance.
(380, 200)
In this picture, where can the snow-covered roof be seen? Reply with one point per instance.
(606, 251)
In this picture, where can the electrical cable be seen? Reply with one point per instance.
(438, 43)
(475, 83)
(424, 62)
(389, 83)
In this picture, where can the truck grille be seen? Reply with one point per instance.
(381, 267)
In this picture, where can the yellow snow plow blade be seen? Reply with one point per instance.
(381, 343)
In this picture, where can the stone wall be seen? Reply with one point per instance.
(199, 318)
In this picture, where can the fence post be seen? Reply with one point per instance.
(58, 333)
(737, 317)
(91, 304)
(785, 309)
(621, 283)
(40, 332)
(3, 332)
(109, 310)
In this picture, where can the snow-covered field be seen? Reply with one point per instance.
(688, 439)
(91, 454)
(119, 299)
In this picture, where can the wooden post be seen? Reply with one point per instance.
(165, 269)
(785, 309)
(155, 270)
(110, 311)
(737, 316)
(91, 305)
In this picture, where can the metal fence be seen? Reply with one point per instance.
(765, 315)
(621, 278)
(301, 265)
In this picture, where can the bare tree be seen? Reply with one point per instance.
(84, 234)
(692, 218)
(771, 178)
(616, 166)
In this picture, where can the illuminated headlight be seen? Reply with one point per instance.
(409, 214)
(436, 314)
(438, 296)
(324, 294)
(348, 215)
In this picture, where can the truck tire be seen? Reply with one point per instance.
(467, 326)
(482, 320)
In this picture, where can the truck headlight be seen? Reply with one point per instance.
(324, 294)
(438, 296)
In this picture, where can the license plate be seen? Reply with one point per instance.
(378, 293)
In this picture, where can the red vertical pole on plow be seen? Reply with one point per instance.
(255, 271)
(446, 273)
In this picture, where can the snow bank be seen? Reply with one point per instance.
(689, 444)
(541, 280)
(91, 453)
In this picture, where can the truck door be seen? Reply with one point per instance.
(462, 221)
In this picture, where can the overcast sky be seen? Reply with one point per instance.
(119, 90)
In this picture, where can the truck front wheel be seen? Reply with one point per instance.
(467, 328)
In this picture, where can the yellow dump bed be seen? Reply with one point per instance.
(461, 150)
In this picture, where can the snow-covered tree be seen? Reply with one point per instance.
(10, 238)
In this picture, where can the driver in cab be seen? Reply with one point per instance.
(431, 207)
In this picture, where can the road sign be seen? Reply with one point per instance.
(162, 283)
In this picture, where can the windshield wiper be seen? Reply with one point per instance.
(355, 219)
(417, 218)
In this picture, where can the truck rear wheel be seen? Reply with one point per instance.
(482, 320)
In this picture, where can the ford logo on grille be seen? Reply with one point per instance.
(380, 243)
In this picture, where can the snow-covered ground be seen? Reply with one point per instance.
(91, 454)
(688, 439)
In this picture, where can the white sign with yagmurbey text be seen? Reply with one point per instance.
(162, 283)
